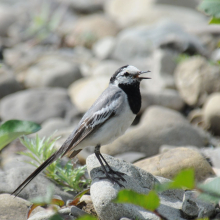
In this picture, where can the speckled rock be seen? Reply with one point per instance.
(103, 192)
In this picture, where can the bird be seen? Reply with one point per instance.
(106, 120)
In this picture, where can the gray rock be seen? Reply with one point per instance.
(85, 6)
(7, 17)
(167, 98)
(187, 3)
(15, 208)
(158, 126)
(36, 188)
(143, 40)
(36, 104)
(149, 12)
(211, 113)
(103, 48)
(103, 192)
(213, 154)
(130, 157)
(76, 212)
(8, 82)
(195, 79)
(52, 71)
(106, 68)
(52, 125)
(193, 207)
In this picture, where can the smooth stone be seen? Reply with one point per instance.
(37, 187)
(8, 82)
(103, 192)
(158, 126)
(168, 163)
(211, 112)
(195, 78)
(213, 154)
(76, 212)
(36, 105)
(130, 157)
(103, 48)
(78, 91)
(193, 207)
(52, 71)
(15, 208)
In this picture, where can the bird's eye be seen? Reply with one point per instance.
(126, 74)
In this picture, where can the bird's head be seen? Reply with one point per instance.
(127, 75)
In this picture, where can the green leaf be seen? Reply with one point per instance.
(184, 179)
(12, 129)
(150, 201)
(214, 20)
(87, 217)
(210, 191)
(210, 7)
(56, 217)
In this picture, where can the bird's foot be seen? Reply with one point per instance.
(119, 174)
(113, 179)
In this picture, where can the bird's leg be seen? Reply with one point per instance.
(111, 178)
(111, 171)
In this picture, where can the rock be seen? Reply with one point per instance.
(213, 154)
(76, 212)
(85, 6)
(52, 71)
(91, 28)
(143, 40)
(36, 105)
(158, 126)
(86, 205)
(106, 68)
(103, 48)
(211, 113)
(130, 157)
(8, 82)
(167, 98)
(78, 91)
(187, 3)
(14, 207)
(51, 126)
(133, 12)
(195, 79)
(168, 163)
(162, 71)
(7, 17)
(36, 188)
(103, 192)
(193, 207)
(64, 213)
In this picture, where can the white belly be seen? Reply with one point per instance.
(111, 130)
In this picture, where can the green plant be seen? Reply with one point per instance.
(211, 8)
(12, 129)
(44, 22)
(70, 178)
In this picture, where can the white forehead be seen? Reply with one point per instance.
(130, 69)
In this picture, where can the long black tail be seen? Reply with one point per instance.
(35, 173)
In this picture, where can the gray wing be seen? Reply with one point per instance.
(105, 107)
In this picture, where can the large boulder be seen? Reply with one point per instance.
(158, 126)
(168, 163)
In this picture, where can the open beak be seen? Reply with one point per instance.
(142, 72)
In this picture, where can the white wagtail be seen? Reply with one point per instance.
(107, 119)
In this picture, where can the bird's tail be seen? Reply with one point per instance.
(35, 173)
